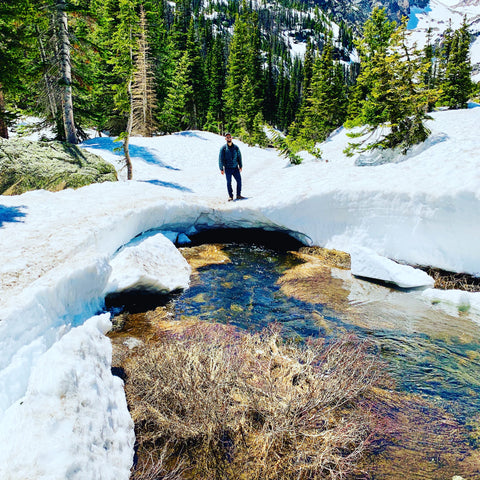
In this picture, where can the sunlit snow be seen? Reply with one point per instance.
(62, 413)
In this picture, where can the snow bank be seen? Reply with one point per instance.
(366, 263)
(150, 263)
(422, 208)
(41, 315)
(73, 421)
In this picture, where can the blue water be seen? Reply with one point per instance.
(441, 366)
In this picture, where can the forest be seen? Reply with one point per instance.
(143, 67)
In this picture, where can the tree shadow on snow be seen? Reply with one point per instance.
(147, 155)
(190, 134)
(159, 183)
(11, 214)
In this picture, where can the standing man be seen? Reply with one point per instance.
(230, 164)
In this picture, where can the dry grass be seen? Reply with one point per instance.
(238, 406)
(329, 257)
(454, 281)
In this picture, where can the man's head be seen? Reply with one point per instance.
(228, 138)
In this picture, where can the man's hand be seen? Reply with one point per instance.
(222, 172)
(239, 169)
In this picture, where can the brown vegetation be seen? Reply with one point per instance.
(450, 281)
(232, 405)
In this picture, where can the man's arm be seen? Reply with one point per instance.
(220, 160)
(239, 158)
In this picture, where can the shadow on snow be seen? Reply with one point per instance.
(11, 214)
(108, 143)
(159, 183)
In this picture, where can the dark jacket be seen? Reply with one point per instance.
(229, 157)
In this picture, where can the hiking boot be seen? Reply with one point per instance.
(239, 197)
(230, 199)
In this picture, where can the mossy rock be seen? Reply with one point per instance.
(29, 165)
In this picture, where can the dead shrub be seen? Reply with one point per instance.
(454, 281)
(233, 405)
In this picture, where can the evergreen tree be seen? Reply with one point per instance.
(123, 46)
(198, 100)
(216, 85)
(456, 75)
(327, 100)
(143, 91)
(174, 115)
(161, 46)
(11, 55)
(372, 49)
(398, 99)
(244, 74)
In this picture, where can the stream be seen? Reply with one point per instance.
(433, 355)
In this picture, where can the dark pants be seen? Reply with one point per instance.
(235, 172)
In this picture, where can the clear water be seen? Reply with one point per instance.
(433, 355)
(429, 352)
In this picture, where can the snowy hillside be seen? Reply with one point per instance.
(439, 15)
(57, 250)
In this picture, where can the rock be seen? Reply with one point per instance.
(30, 165)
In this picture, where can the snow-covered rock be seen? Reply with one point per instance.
(366, 263)
(150, 263)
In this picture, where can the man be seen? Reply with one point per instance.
(230, 164)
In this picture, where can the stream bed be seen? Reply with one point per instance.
(432, 354)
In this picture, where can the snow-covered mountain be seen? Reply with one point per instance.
(438, 15)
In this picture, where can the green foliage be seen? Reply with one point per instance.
(326, 105)
(174, 116)
(395, 101)
(456, 69)
(282, 144)
(242, 94)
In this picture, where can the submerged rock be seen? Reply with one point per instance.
(29, 165)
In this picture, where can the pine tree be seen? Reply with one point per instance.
(244, 74)
(174, 116)
(327, 99)
(123, 45)
(198, 100)
(372, 48)
(397, 103)
(216, 85)
(11, 55)
(456, 85)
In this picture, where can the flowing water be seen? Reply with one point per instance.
(433, 355)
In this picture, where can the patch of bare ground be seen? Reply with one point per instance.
(251, 406)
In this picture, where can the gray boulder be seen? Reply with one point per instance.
(31, 165)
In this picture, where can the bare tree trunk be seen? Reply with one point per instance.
(3, 123)
(126, 142)
(49, 88)
(66, 73)
(143, 93)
